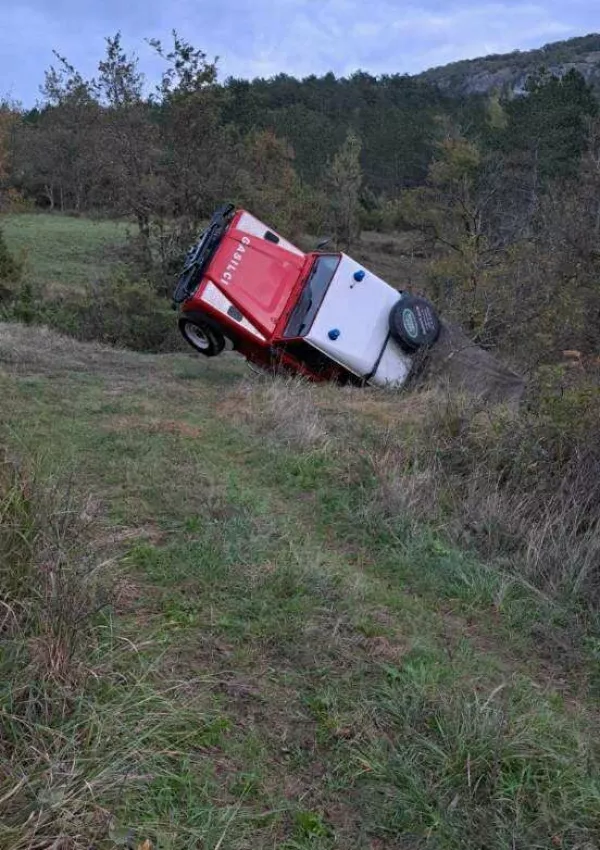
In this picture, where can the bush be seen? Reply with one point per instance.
(10, 270)
(159, 258)
(22, 305)
(118, 311)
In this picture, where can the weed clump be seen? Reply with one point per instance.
(49, 587)
(285, 411)
(489, 769)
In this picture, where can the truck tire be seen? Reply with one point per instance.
(414, 323)
(203, 339)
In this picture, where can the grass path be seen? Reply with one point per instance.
(314, 675)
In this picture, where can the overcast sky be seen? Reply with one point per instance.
(265, 37)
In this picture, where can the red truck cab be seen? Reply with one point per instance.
(319, 314)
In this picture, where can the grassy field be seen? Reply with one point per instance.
(223, 630)
(62, 253)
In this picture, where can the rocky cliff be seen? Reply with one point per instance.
(508, 72)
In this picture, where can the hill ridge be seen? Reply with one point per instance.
(509, 71)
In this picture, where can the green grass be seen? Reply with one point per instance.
(283, 665)
(63, 251)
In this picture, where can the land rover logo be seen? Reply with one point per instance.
(410, 323)
(234, 262)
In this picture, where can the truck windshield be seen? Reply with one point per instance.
(312, 295)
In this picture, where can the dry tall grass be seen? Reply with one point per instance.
(519, 487)
(284, 410)
(51, 592)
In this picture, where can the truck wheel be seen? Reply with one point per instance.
(202, 338)
(414, 323)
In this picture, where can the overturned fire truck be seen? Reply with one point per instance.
(320, 314)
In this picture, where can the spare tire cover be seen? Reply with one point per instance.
(414, 322)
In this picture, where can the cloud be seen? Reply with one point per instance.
(467, 31)
(385, 37)
(266, 37)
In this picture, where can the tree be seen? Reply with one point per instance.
(59, 143)
(344, 183)
(562, 268)
(10, 269)
(188, 69)
(10, 121)
(456, 210)
(547, 126)
(4, 131)
(131, 154)
(6, 119)
(195, 143)
(268, 181)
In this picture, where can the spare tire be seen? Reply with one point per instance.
(414, 322)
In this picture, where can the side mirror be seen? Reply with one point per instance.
(323, 243)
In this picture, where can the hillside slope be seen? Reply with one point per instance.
(289, 659)
(509, 71)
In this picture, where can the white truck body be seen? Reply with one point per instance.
(359, 311)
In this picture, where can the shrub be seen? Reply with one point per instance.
(10, 270)
(159, 258)
(119, 311)
(22, 306)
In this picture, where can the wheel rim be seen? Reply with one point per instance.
(197, 336)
